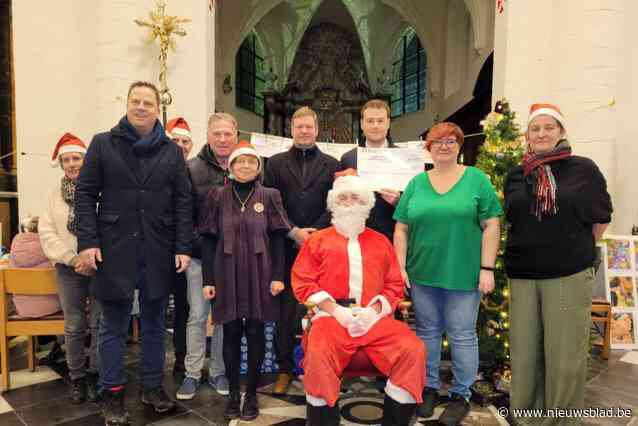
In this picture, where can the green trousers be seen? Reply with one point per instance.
(549, 342)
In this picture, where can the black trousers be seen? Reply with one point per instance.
(290, 315)
(180, 316)
(233, 331)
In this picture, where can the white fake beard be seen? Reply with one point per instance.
(350, 221)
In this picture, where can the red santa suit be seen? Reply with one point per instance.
(365, 268)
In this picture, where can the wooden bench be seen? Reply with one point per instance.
(601, 314)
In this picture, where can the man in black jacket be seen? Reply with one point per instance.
(209, 169)
(375, 123)
(303, 175)
(178, 130)
(134, 212)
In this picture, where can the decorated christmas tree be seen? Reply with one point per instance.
(502, 150)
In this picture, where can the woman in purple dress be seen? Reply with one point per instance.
(243, 226)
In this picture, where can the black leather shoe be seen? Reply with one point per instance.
(250, 410)
(430, 401)
(78, 390)
(232, 406)
(455, 411)
(92, 393)
(53, 356)
(157, 399)
(113, 408)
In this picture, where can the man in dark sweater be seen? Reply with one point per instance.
(303, 175)
(375, 123)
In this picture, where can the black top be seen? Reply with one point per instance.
(303, 177)
(381, 214)
(562, 244)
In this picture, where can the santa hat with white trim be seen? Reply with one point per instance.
(67, 143)
(545, 109)
(347, 181)
(177, 127)
(243, 148)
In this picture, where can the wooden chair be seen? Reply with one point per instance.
(25, 282)
(601, 314)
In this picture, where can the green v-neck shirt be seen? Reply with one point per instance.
(444, 230)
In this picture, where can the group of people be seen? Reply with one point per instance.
(250, 242)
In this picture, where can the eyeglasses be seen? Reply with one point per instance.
(220, 135)
(447, 142)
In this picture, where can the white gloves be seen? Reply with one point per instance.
(363, 322)
(343, 316)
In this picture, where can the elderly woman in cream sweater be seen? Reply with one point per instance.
(57, 235)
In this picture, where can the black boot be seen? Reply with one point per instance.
(322, 416)
(113, 408)
(430, 401)
(232, 406)
(395, 413)
(455, 411)
(250, 410)
(92, 393)
(157, 399)
(78, 390)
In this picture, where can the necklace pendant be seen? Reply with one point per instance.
(243, 208)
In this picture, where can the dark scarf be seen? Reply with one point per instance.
(538, 173)
(142, 145)
(67, 189)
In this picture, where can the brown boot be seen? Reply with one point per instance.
(282, 384)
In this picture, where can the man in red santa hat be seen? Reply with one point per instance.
(178, 130)
(350, 261)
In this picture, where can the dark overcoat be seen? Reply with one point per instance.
(303, 178)
(133, 208)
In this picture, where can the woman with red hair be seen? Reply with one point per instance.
(446, 238)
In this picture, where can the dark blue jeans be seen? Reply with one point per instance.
(114, 328)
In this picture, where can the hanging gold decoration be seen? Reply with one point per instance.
(164, 28)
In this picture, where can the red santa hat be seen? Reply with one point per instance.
(545, 109)
(67, 143)
(347, 182)
(177, 127)
(243, 148)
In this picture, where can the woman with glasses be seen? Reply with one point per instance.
(557, 206)
(446, 239)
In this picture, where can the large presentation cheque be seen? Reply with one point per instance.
(389, 168)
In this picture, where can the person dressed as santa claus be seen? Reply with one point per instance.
(349, 261)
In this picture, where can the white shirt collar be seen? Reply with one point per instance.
(385, 144)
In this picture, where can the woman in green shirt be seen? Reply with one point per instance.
(446, 239)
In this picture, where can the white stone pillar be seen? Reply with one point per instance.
(74, 61)
(55, 66)
(570, 53)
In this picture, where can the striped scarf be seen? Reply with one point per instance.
(67, 188)
(538, 173)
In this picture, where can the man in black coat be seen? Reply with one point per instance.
(134, 212)
(303, 175)
(375, 123)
